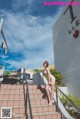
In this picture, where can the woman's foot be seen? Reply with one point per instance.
(50, 103)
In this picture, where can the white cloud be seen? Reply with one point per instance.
(25, 34)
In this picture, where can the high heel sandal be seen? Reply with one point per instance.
(50, 103)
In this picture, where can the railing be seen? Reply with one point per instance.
(27, 102)
(69, 101)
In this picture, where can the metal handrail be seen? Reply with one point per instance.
(66, 98)
(27, 98)
(28, 101)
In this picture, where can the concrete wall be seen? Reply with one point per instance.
(67, 48)
(38, 79)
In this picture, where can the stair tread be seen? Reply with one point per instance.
(18, 115)
(11, 93)
(14, 107)
(42, 105)
(39, 99)
(12, 99)
(18, 106)
(45, 113)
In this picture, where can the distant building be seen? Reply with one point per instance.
(21, 73)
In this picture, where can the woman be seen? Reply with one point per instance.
(51, 82)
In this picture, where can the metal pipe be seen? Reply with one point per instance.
(56, 99)
(28, 99)
(4, 38)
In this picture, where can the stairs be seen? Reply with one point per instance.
(39, 104)
(13, 96)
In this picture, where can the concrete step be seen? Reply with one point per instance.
(35, 92)
(46, 115)
(12, 103)
(19, 116)
(10, 94)
(42, 108)
(9, 86)
(18, 110)
(32, 87)
(11, 91)
(11, 97)
(16, 107)
(38, 96)
(39, 102)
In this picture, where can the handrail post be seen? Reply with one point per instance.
(56, 99)
(0, 84)
(28, 100)
(24, 77)
(26, 104)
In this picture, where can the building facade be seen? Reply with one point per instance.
(66, 40)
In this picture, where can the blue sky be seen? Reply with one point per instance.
(28, 30)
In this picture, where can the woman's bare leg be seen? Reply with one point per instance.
(52, 94)
(47, 91)
(52, 91)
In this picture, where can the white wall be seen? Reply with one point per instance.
(67, 49)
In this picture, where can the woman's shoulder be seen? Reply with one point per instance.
(47, 69)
